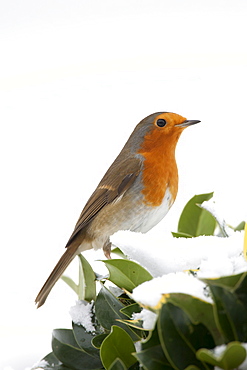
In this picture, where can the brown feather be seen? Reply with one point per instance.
(112, 186)
(56, 273)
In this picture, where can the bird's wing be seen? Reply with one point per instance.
(112, 186)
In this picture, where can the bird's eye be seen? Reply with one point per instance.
(161, 122)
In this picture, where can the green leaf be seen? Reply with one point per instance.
(241, 289)
(194, 220)
(240, 226)
(199, 311)
(108, 311)
(84, 339)
(136, 324)
(68, 352)
(87, 283)
(152, 353)
(132, 308)
(181, 235)
(98, 339)
(176, 331)
(117, 345)
(127, 274)
(118, 252)
(231, 309)
(226, 281)
(226, 325)
(70, 283)
(153, 358)
(231, 358)
(86, 289)
(118, 365)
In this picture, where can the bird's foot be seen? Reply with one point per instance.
(107, 250)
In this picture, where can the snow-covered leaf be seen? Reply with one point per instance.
(209, 206)
(50, 362)
(184, 316)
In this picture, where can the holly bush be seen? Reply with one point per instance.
(187, 329)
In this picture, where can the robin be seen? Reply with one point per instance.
(134, 194)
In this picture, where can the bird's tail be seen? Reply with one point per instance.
(56, 273)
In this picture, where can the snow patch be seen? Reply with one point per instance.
(82, 313)
(39, 365)
(150, 292)
(169, 260)
(148, 318)
(213, 256)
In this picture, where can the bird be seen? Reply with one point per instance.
(135, 193)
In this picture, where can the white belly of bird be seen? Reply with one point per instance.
(151, 216)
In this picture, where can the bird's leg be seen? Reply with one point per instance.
(107, 249)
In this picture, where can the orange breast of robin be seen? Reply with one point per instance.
(160, 169)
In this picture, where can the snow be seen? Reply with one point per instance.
(213, 256)
(39, 365)
(208, 256)
(148, 317)
(81, 314)
(150, 292)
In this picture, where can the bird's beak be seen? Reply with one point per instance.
(187, 123)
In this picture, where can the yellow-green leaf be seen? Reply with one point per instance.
(231, 358)
(87, 283)
(195, 221)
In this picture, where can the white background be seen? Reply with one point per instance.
(75, 78)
